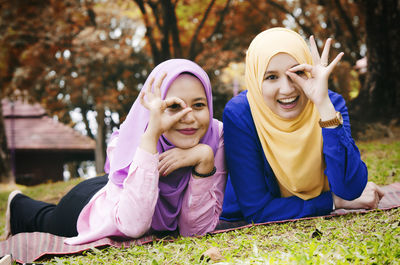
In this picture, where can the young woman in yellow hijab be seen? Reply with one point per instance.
(288, 143)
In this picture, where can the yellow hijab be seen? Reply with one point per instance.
(293, 147)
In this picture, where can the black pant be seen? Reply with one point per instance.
(28, 215)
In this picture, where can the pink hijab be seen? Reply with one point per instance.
(173, 186)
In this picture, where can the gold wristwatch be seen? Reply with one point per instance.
(338, 120)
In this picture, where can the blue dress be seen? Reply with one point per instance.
(252, 192)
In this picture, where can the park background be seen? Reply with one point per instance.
(85, 61)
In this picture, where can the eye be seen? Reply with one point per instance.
(199, 105)
(174, 107)
(271, 77)
(300, 73)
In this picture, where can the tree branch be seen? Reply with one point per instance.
(281, 8)
(347, 22)
(165, 30)
(86, 121)
(220, 23)
(171, 24)
(154, 8)
(193, 42)
(217, 28)
(149, 32)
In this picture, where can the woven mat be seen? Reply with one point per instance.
(29, 247)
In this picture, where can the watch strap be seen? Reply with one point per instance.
(338, 120)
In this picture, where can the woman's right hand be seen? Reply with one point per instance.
(160, 119)
(369, 199)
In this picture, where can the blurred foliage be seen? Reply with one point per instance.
(73, 55)
(90, 55)
(79, 54)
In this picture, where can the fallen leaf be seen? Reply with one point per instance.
(213, 254)
(316, 234)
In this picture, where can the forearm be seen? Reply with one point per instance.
(148, 141)
(205, 161)
(202, 205)
(138, 197)
(346, 172)
(278, 208)
(326, 109)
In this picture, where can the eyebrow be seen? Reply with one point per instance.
(269, 72)
(275, 71)
(200, 98)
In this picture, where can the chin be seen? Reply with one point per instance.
(290, 116)
(186, 144)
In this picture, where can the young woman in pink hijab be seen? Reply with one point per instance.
(165, 168)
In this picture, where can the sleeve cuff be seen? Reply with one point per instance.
(332, 136)
(322, 205)
(200, 186)
(145, 159)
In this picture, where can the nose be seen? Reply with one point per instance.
(287, 85)
(188, 117)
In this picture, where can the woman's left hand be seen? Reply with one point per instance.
(200, 155)
(315, 85)
(369, 199)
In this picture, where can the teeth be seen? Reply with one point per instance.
(287, 100)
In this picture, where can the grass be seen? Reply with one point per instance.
(382, 159)
(369, 238)
(50, 192)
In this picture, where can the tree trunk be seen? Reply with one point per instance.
(383, 54)
(6, 174)
(100, 140)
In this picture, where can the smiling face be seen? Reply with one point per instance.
(189, 130)
(285, 98)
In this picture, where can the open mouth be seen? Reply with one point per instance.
(189, 131)
(288, 103)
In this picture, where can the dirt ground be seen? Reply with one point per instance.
(378, 132)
